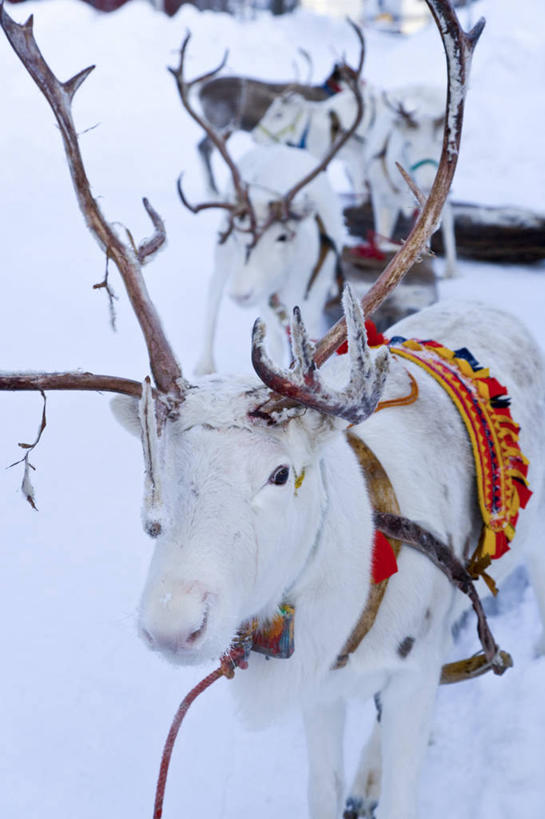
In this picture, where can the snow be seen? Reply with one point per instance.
(85, 706)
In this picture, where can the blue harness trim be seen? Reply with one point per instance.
(304, 136)
(422, 162)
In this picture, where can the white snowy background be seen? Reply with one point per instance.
(84, 706)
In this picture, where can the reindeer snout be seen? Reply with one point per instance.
(174, 622)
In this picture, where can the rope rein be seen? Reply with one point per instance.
(235, 658)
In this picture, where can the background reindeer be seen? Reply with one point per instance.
(99, 384)
(238, 103)
(279, 244)
(399, 126)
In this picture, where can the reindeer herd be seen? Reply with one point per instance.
(253, 493)
(282, 196)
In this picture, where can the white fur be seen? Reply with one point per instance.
(383, 138)
(235, 546)
(285, 255)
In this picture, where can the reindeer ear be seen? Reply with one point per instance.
(125, 410)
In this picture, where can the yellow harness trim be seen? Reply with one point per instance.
(501, 468)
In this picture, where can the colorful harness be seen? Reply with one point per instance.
(502, 485)
(483, 405)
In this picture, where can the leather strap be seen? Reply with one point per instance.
(383, 499)
(326, 244)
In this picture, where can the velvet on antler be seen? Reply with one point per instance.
(304, 383)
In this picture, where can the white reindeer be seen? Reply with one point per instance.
(255, 496)
(280, 241)
(402, 125)
(286, 265)
(238, 538)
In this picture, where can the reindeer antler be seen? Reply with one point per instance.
(458, 48)
(303, 383)
(353, 80)
(242, 205)
(129, 260)
(280, 209)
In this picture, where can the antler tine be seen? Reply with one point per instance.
(411, 184)
(458, 48)
(359, 35)
(243, 200)
(41, 382)
(303, 385)
(166, 371)
(207, 75)
(338, 144)
(203, 205)
(149, 247)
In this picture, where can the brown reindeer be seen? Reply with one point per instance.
(238, 103)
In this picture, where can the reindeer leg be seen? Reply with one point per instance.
(408, 701)
(206, 363)
(324, 728)
(205, 148)
(535, 563)
(385, 222)
(384, 210)
(365, 790)
(449, 240)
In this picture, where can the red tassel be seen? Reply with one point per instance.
(502, 545)
(384, 562)
(370, 250)
(495, 388)
(374, 338)
(523, 492)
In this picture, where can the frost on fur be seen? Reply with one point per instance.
(153, 509)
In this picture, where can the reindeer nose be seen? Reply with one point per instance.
(175, 627)
(174, 642)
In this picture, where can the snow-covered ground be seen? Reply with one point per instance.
(85, 707)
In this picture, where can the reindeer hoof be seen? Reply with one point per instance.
(357, 807)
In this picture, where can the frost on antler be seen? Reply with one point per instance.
(304, 384)
(458, 47)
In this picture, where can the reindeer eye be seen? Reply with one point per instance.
(282, 238)
(280, 475)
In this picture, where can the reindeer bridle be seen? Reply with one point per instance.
(301, 386)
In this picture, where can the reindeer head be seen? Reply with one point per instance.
(240, 207)
(252, 459)
(234, 487)
(275, 249)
